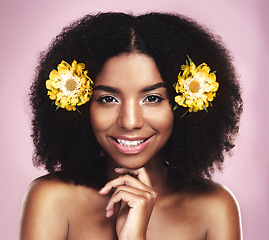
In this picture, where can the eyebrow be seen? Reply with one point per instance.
(116, 90)
(106, 89)
(153, 87)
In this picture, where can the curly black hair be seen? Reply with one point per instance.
(65, 141)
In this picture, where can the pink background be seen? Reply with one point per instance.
(27, 28)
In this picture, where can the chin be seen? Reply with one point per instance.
(132, 161)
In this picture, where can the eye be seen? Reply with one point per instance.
(153, 99)
(107, 99)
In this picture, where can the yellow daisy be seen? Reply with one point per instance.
(69, 86)
(197, 87)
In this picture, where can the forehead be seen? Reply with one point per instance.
(131, 70)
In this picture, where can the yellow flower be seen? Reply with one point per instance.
(197, 87)
(69, 86)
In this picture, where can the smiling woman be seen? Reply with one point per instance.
(140, 116)
(122, 164)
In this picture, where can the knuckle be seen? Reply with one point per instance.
(118, 189)
(143, 201)
(154, 194)
(124, 177)
(127, 176)
(148, 196)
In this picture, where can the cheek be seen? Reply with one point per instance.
(162, 121)
(167, 123)
(99, 120)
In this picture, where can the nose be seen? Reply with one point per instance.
(130, 115)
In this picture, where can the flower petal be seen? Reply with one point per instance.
(196, 100)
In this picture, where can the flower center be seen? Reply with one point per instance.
(194, 86)
(71, 85)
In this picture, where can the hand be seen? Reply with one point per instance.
(137, 202)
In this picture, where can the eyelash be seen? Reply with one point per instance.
(107, 99)
(149, 99)
(157, 99)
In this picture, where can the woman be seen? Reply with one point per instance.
(130, 130)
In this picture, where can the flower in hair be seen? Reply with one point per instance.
(69, 86)
(196, 85)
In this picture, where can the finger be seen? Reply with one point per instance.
(141, 174)
(110, 208)
(136, 191)
(146, 196)
(131, 199)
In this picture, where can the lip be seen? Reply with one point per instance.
(130, 149)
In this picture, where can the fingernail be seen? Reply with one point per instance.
(109, 213)
(120, 170)
(102, 190)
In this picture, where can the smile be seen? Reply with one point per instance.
(129, 143)
(130, 146)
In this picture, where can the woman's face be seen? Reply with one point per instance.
(130, 111)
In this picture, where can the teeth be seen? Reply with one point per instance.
(129, 143)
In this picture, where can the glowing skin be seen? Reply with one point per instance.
(130, 112)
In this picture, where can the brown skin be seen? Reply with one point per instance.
(138, 202)
(54, 209)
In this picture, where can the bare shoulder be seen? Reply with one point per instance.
(49, 185)
(217, 195)
(47, 207)
(43, 206)
(221, 212)
(46, 192)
